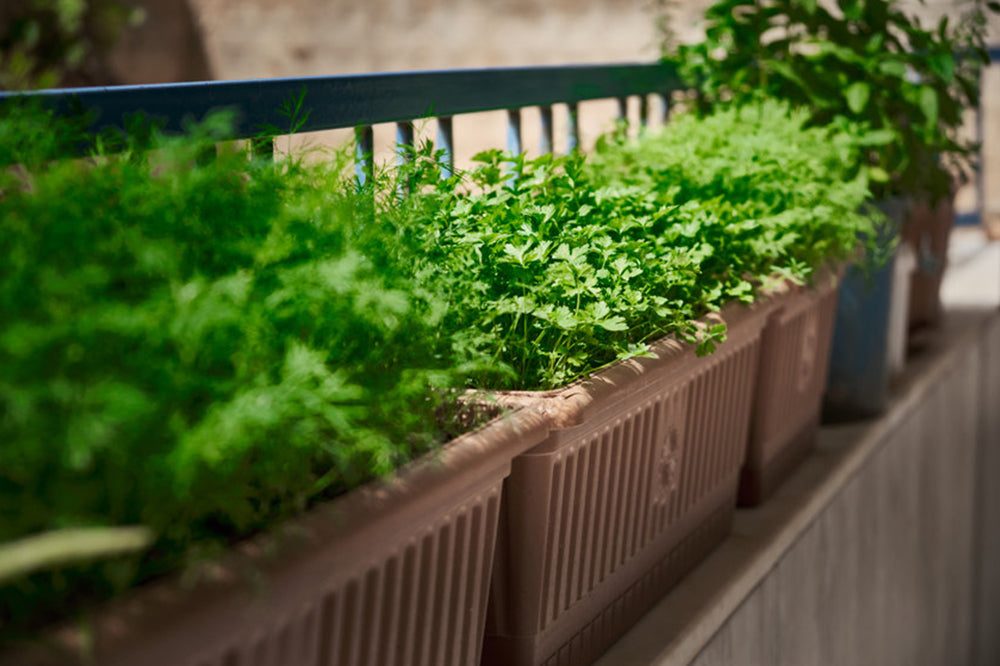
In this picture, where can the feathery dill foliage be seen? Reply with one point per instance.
(200, 348)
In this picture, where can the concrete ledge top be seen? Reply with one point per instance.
(681, 625)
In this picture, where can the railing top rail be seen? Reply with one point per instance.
(362, 99)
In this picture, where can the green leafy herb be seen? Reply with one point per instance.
(863, 61)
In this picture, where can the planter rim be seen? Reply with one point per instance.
(640, 453)
(264, 562)
(825, 274)
(570, 405)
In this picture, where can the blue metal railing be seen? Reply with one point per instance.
(363, 100)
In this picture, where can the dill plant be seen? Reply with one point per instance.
(200, 348)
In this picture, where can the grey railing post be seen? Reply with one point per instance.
(665, 103)
(623, 108)
(262, 147)
(546, 144)
(514, 144)
(364, 140)
(573, 127)
(404, 141)
(514, 131)
(446, 139)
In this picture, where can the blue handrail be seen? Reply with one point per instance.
(362, 100)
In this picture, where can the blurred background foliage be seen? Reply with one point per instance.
(46, 43)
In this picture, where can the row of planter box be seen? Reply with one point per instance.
(544, 535)
(537, 539)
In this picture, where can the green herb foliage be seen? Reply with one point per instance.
(860, 61)
(548, 276)
(198, 348)
(772, 195)
(45, 41)
(556, 266)
(192, 349)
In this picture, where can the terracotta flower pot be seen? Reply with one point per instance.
(794, 359)
(635, 483)
(395, 572)
(927, 229)
(870, 330)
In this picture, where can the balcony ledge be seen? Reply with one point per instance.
(877, 549)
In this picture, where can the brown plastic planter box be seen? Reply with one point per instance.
(636, 482)
(794, 360)
(393, 573)
(927, 229)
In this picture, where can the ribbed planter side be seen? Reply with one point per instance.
(794, 359)
(393, 573)
(927, 228)
(634, 486)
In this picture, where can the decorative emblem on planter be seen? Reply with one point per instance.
(667, 470)
(807, 357)
(670, 461)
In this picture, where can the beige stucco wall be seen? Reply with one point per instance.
(250, 38)
(166, 46)
(263, 38)
(267, 38)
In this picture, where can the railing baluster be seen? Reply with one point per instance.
(645, 112)
(572, 127)
(404, 141)
(665, 104)
(364, 141)
(262, 148)
(404, 152)
(547, 144)
(446, 139)
(623, 114)
(514, 144)
(514, 131)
